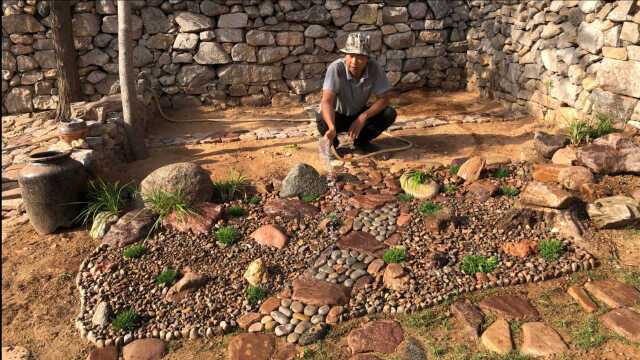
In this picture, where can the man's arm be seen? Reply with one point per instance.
(327, 108)
(376, 107)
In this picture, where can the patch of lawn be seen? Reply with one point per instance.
(450, 188)
(308, 198)
(587, 335)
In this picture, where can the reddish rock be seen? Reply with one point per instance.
(547, 144)
(269, 305)
(545, 195)
(364, 357)
(247, 319)
(497, 337)
(574, 177)
(624, 322)
(254, 346)
(469, 316)
(395, 278)
(318, 292)
(104, 353)
(471, 169)
(376, 336)
(131, 227)
(370, 201)
(362, 242)
(611, 154)
(144, 349)
(483, 189)
(270, 235)
(290, 208)
(287, 352)
(189, 281)
(582, 298)
(565, 156)
(361, 283)
(394, 239)
(613, 293)
(437, 222)
(375, 267)
(520, 249)
(403, 220)
(538, 339)
(510, 307)
(548, 173)
(200, 222)
(636, 194)
(333, 316)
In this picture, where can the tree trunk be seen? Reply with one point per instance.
(130, 108)
(68, 77)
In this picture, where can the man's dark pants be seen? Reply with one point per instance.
(374, 126)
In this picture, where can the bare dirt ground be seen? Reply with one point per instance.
(40, 301)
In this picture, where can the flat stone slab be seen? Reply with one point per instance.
(613, 293)
(582, 298)
(510, 307)
(254, 346)
(624, 322)
(497, 337)
(539, 339)
(362, 242)
(144, 349)
(382, 336)
(370, 201)
(318, 292)
(104, 353)
(199, 223)
(270, 235)
(290, 208)
(130, 228)
(469, 316)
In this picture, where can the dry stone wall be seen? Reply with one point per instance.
(234, 51)
(559, 60)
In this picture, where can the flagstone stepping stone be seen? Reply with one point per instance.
(270, 235)
(130, 228)
(362, 242)
(382, 336)
(269, 305)
(546, 195)
(471, 169)
(614, 212)
(198, 223)
(582, 298)
(318, 292)
(624, 322)
(510, 307)
(105, 353)
(539, 339)
(247, 319)
(254, 346)
(290, 208)
(469, 316)
(497, 337)
(613, 293)
(144, 349)
(288, 352)
(370, 201)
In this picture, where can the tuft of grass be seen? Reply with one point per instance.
(395, 254)
(501, 173)
(632, 278)
(602, 127)
(229, 188)
(450, 188)
(422, 320)
(163, 203)
(226, 235)
(134, 251)
(126, 320)
(167, 277)
(105, 197)
(438, 350)
(419, 177)
(509, 191)
(254, 294)
(453, 170)
(404, 197)
(581, 130)
(550, 249)
(472, 264)
(588, 336)
(308, 198)
(254, 200)
(429, 208)
(334, 221)
(236, 211)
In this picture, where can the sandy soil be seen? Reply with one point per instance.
(39, 299)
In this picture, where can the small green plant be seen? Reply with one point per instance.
(429, 208)
(228, 189)
(254, 200)
(308, 198)
(579, 131)
(226, 235)
(334, 222)
(438, 350)
(450, 188)
(588, 335)
(163, 203)
(404, 197)
(472, 264)
(603, 126)
(104, 196)
(236, 211)
(501, 173)
(255, 294)
(550, 249)
(396, 254)
(509, 191)
(126, 320)
(453, 170)
(167, 277)
(419, 177)
(134, 251)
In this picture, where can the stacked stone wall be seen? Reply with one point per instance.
(559, 60)
(231, 52)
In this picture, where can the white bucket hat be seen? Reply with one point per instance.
(357, 43)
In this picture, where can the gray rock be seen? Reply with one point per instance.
(315, 333)
(101, 314)
(630, 32)
(315, 31)
(290, 38)
(211, 53)
(260, 38)
(547, 144)
(141, 56)
(154, 20)
(210, 8)
(307, 86)
(400, 40)
(85, 25)
(614, 212)
(282, 330)
(590, 6)
(18, 100)
(590, 37)
(229, 35)
(243, 74)
(365, 14)
(440, 8)
(110, 25)
(620, 77)
(303, 179)
(279, 317)
(185, 41)
(243, 52)
(417, 10)
(268, 55)
(190, 22)
(341, 16)
(617, 106)
(393, 15)
(160, 42)
(316, 14)
(188, 179)
(233, 21)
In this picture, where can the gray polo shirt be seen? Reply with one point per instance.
(352, 94)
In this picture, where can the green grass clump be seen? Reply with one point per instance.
(134, 251)
(226, 235)
(429, 208)
(126, 320)
(163, 203)
(255, 294)
(550, 249)
(236, 211)
(453, 170)
(472, 264)
(167, 277)
(450, 188)
(334, 221)
(419, 177)
(395, 255)
(105, 197)
(509, 191)
(308, 198)
(581, 130)
(404, 197)
(229, 188)
(588, 336)
(632, 278)
(493, 356)
(501, 173)
(254, 200)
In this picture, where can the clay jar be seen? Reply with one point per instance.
(52, 185)
(72, 130)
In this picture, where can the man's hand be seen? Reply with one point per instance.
(330, 134)
(356, 126)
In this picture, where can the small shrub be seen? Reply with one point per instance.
(579, 131)
(395, 255)
(472, 264)
(588, 335)
(166, 277)
(134, 251)
(453, 170)
(254, 200)
(308, 198)
(501, 173)
(226, 235)
(450, 188)
(550, 249)
(603, 126)
(228, 189)
(509, 191)
(419, 177)
(163, 203)
(126, 320)
(334, 222)
(255, 294)
(404, 197)
(429, 208)
(236, 211)
(103, 196)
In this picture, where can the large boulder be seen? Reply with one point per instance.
(546, 195)
(144, 349)
(611, 154)
(547, 144)
(614, 211)
(186, 179)
(303, 179)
